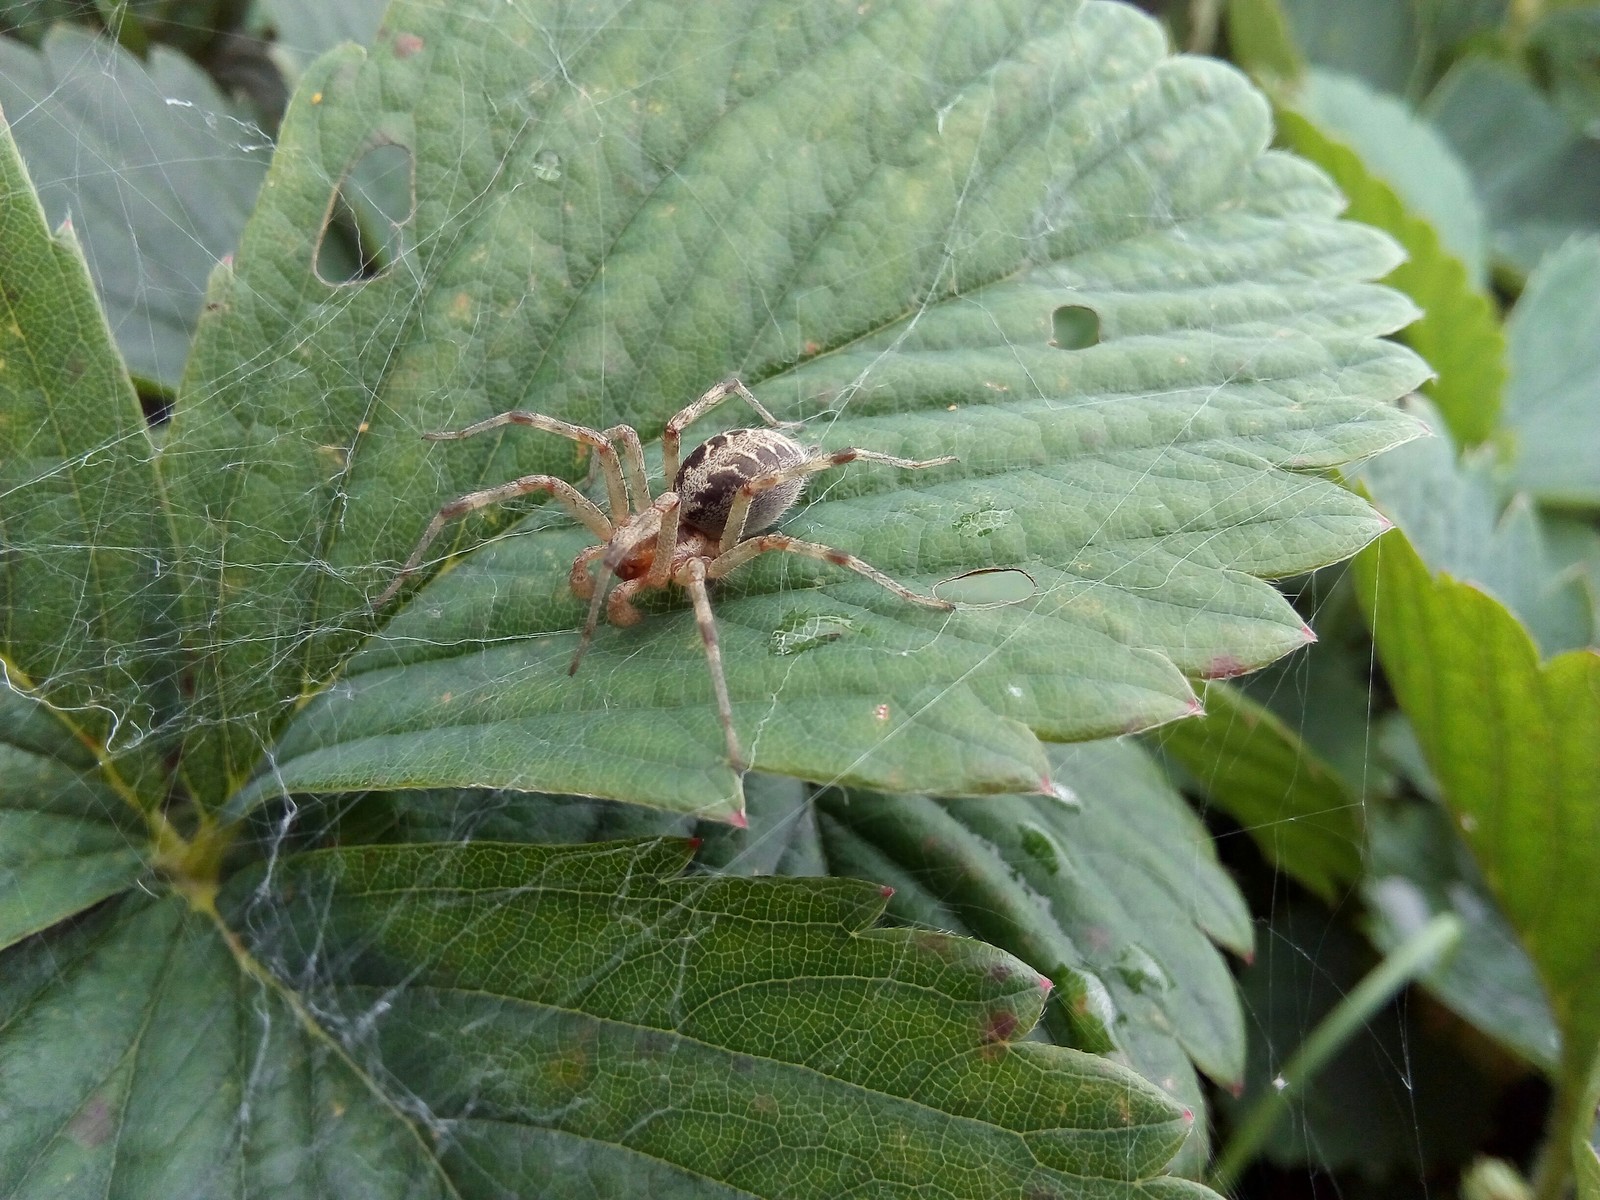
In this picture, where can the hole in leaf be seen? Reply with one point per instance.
(987, 587)
(362, 233)
(1074, 327)
(155, 401)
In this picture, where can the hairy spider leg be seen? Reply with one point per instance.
(768, 543)
(632, 464)
(605, 452)
(619, 604)
(692, 577)
(568, 496)
(619, 608)
(580, 581)
(727, 389)
(739, 511)
(659, 521)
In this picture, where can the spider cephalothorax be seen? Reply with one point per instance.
(730, 488)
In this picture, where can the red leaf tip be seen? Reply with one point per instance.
(886, 891)
(739, 821)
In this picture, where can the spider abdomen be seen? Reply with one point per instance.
(717, 468)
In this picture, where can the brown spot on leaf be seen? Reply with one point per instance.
(999, 1026)
(1225, 666)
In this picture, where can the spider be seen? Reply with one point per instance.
(728, 490)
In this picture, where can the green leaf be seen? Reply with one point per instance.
(1515, 745)
(1406, 153)
(655, 1054)
(1378, 40)
(1290, 801)
(871, 215)
(139, 1059)
(1459, 333)
(1418, 870)
(1114, 892)
(1566, 45)
(82, 546)
(1586, 1146)
(1586, 1163)
(1452, 513)
(434, 1047)
(1395, 46)
(1538, 177)
(67, 841)
(1574, 545)
(30, 20)
(781, 837)
(300, 30)
(1261, 41)
(1551, 410)
(156, 169)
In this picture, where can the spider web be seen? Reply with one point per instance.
(502, 611)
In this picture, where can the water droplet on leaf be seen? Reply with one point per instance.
(547, 166)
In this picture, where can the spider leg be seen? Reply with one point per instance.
(767, 543)
(580, 581)
(616, 491)
(728, 388)
(693, 579)
(739, 512)
(564, 493)
(619, 605)
(640, 529)
(660, 572)
(632, 464)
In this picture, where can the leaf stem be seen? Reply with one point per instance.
(1416, 955)
(1552, 1166)
(1571, 1122)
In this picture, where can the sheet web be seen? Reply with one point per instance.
(493, 212)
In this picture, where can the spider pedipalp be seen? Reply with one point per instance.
(725, 494)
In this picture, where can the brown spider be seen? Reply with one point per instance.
(730, 488)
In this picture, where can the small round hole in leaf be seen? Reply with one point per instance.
(1074, 327)
(987, 587)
